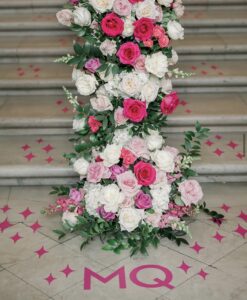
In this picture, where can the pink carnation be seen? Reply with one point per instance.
(191, 192)
(94, 124)
(148, 43)
(164, 41)
(128, 53)
(158, 31)
(92, 64)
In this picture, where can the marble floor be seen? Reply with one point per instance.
(34, 265)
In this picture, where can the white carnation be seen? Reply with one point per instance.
(129, 218)
(157, 64)
(146, 9)
(111, 198)
(81, 166)
(154, 140)
(79, 124)
(164, 160)
(101, 5)
(86, 84)
(175, 30)
(108, 47)
(111, 155)
(82, 16)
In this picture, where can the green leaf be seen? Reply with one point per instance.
(60, 233)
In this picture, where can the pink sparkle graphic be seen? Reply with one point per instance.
(26, 213)
(188, 111)
(197, 248)
(240, 155)
(67, 271)
(50, 278)
(243, 216)
(218, 237)
(35, 226)
(25, 147)
(232, 145)
(39, 141)
(209, 143)
(65, 109)
(225, 207)
(16, 237)
(5, 225)
(241, 231)
(218, 137)
(218, 152)
(30, 156)
(49, 160)
(184, 267)
(40, 252)
(203, 274)
(5, 208)
(48, 148)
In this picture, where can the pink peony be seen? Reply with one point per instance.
(143, 201)
(139, 147)
(122, 7)
(94, 124)
(92, 64)
(95, 172)
(128, 183)
(143, 29)
(112, 25)
(76, 195)
(169, 103)
(164, 41)
(119, 117)
(128, 157)
(135, 110)
(139, 64)
(128, 53)
(191, 192)
(145, 173)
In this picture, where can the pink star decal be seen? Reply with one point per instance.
(30, 156)
(218, 237)
(5, 208)
(194, 68)
(203, 274)
(184, 267)
(197, 248)
(49, 159)
(183, 102)
(39, 141)
(35, 226)
(204, 72)
(188, 111)
(40, 252)
(36, 70)
(241, 231)
(218, 137)
(50, 278)
(209, 143)
(232, 145)
(225, 207)
(67, 271)
(25, 147)
(5, 224)
(240, 155)
(26, 213)
(59, 102)
(65, 109)
(218, 152)
(16, 237)
(48, 148)
(243, 216)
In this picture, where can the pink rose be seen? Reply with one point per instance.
(65, 17)
(135, 110)
(128, 157)
(191, 192)
(92, 64)
(122, 7)
(143, 29)
(116, 170)
(158, 31)
(128, 183)
(74, 2)
(94, 124)
(112, 25)
(164, 41)
(145, 173)
(135, 1)
(169, 103)
(119, 116)
(95, 172)
(143, 201)
(128, 53)
(139, 147)
(76, 195)
(148, 43)
(139, 64)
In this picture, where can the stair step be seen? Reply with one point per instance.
(214, 2)
(37, 113)
(31, 3)
(37, 159)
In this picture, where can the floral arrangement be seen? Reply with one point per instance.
(134, 189)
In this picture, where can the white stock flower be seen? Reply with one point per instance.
(70, 218)
(79, 124)
(111, 197)
(108, 47)
(101, 5)
(157, 64)
(146, 9)
(166, 85)
(86, 84)
(111, 155)
(154, 140)
(175, 30)
(166, 3)
(160, 198)
(128, 27)
(150, 90)
(129, 218)
(81, 166)
(65, 17)
(163, 160)
(82, 16)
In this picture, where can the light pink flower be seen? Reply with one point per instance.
(140, 63)
(159, 13)
(122, 7)
(76, 195)
(128, 183)
(119, 116)
(92, 64)
(153, 219)
(139, 147)
(95, 172)
(172, 150)
(65, 17)
(191, 192)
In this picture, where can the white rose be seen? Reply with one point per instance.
(166, 85)
(174, 59)
(150, 90)
(146, 9)
(107, 78)
(121, 136)
(130, 84)
(164, 160)
(178, 8)
(86, 84)
(81, 166)
(122, 7)
(76, 74)
(175, 30)
(161, 180)
(92, 197)
(157, 64)
(111, 198)
(79, 124)
(70, 218)
(160, 198)
(82, 16)
(154, 140)
(129, 218)
(101, 5)
(166, 3)
(128, 27)
(111, 155)
(65, 17)
(101, 103)
(108, 47)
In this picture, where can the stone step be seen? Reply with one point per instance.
(31, 3)
(54, 114)
(209, 76)
(37, 159)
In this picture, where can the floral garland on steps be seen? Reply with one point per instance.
(133, 188)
